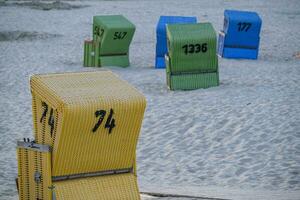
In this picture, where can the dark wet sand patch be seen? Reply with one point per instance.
(25, 35)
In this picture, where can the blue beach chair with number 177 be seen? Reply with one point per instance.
(240, 35)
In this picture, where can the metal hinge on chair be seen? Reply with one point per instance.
(37, 177)
(34, 146)
(52, 188)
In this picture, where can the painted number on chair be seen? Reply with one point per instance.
(110, 121)
(98, 31)
(194, 48)
(119, 35)
(51, 121)
(244, 26)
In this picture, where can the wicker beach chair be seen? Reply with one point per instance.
(86, 128)
(192, 61)
(112, 35)
(240, 35)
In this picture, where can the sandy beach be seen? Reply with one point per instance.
(240, 140)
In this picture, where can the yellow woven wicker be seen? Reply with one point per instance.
(78, 101)
(110, 187)
(91, 120)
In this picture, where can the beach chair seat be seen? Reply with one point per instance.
(117, 186)
(192, 62)
(91, 123)
(91, 49)
(161, 36)
(34, 171)
(36, 182)
(240, 35)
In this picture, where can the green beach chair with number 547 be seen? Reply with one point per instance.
(113, 33)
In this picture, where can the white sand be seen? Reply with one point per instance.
(240, 140)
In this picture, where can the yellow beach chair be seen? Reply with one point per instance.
(86, 128)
